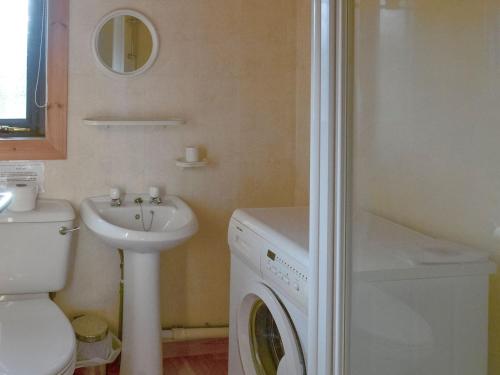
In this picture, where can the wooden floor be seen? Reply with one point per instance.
(196, 365)
(202, 357)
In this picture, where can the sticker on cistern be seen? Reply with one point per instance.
(22, 172)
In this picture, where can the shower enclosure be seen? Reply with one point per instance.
(405, 174)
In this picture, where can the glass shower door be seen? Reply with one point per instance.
(425, 134)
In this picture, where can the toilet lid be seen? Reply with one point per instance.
(35, 338)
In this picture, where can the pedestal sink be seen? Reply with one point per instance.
(143, 230)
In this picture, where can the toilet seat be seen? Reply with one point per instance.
(35, 338)
(70, 367)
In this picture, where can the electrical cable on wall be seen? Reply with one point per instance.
(42, 36)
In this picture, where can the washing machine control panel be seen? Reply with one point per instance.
(286, 273)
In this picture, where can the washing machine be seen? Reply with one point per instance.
(268, 302)
(419, 304)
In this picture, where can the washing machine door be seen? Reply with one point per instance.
(267, 340)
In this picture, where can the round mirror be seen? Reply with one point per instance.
(125, 43)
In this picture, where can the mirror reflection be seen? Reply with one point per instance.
(125, 44)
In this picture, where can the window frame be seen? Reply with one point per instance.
(53, 145)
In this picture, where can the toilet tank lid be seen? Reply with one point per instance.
(46, 211)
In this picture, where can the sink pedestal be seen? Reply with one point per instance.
(142, 348)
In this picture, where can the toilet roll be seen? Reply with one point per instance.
(24, 197)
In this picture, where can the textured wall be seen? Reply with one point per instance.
(229, 68)
(302, 106)
(427, 121)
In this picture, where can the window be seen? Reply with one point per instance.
(34, 42)
(22, 70)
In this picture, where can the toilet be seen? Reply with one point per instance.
(35, 335)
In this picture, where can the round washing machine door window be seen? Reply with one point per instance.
(268, 342)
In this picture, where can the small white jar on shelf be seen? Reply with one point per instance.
(191, 159)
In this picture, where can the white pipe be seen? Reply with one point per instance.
(187, 334)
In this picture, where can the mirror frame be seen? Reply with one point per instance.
(154, 37)
(54, 145)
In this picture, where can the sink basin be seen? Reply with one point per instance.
(143, 231)
(164, 226)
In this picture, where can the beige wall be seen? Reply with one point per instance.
(302, 104)
(427, 145)
(228, 67)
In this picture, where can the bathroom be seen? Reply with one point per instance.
(239, 84)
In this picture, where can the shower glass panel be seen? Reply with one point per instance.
(425, 187)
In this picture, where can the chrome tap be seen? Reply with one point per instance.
(156, 201)
(114, 194)
(154, 195)
(116, 202)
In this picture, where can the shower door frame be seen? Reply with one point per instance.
(330, 265)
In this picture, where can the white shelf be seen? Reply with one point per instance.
(118, 122)
(182, 163)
